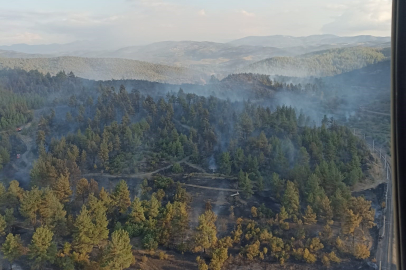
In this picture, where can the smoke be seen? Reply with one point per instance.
(212, 164)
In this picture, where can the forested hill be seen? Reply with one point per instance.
(320, 64)
(377, 75)
(294, 179)
(107, 69)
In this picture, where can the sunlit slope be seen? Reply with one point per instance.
(320, 64)
(106, 69)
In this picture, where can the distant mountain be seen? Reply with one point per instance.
(220, 59)
(280, 41)
(107, 69)
(14, 54)
(319, 64)
(206, 56)
(55, 49)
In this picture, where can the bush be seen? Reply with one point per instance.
(163, 255)
(333, 257)
(326, 261)
(161, 182)
(134, 230)
(144, 259)
(149, 242)
(176, 168)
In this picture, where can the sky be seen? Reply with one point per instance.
(118, 23)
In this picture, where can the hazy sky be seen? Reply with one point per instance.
(134, 22)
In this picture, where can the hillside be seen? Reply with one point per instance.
(280, 41)
(320, 64)
(16, 54)
(105, 69)
(199, 55)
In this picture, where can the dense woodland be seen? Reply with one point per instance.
(322, 63)
(65, 220)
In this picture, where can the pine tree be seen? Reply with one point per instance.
(363, 208)
(206, 231)
(291, 198)
(83, 158)
(325, 210)
(64, 258)
(3, 225)
(104, 154)
(339, 204)
(98, 215)
(361, 251)
(201, 264)
(83, 235)
(62, 188)
(245, 125)
(313, 190)
(310, 216)
(3, 194)
(225, 163)
(121, 196)
(262, 141)
(12, 248)
(245, 184)
(277, 185)
(153, 207)
(239, 158)
(219, 256)
(9, 217)
(118, 254)
(283, 214)
(106, 199)
(351, 223)
(180, 221)
(14, 193)
(93, 187)
(82, 189)
(42, 249)
(69, 117)
(137, 212)
(51, 211)
(165, 230)
(30, 205)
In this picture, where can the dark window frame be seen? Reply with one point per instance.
(398, 111)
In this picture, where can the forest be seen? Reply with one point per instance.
(289, 179)
(321, 63)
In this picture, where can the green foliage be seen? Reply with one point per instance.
(118, 254)
(225, 163)
(206, 231)
(42, 249)
(290, 198)
(245, 184)
(121, 196)
(15, 108)
(322, 63)
(12, 247)
(162, 182)
(176, 168)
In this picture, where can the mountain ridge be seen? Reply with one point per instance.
(106, 69)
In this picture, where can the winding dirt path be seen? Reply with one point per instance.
(378, 113)
(200, 169)
(135, 175)
(212, 188)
